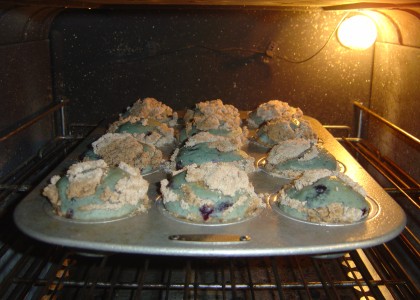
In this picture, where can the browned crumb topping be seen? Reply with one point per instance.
(153, 109)
(160, 136)
(311, 176)
(280, 130)
(219, 176)
(51, 191)
(275, 109)
(222, 143)
(123, 147)
(85, 177)
(212, 115)
(289, 149)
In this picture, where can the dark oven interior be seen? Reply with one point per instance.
(66, 66)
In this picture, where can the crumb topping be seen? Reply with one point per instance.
(167, 193)
(311, 176)
(82, 167)
(107, 139)
(275, 109)
(160, 135)
(163, 136)
(124, 147)
(222, 143)
(129, 169)
(354, 185)
(311, 153)
(130, 189)
(293, 203)
(213, 115)
(51, 191)
(152, 108)
(287, 150)
(280, 130)
(219, 176)
(172, 162)
(84, 177)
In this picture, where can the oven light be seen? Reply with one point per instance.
(357, 32)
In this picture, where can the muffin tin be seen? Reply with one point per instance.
(268, 233)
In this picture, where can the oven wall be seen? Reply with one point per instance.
(25, 83)
(396, 89)
(104, 60)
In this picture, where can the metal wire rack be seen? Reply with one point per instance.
(40, 272)
(33, 270)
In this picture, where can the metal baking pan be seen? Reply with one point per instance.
(268, 233)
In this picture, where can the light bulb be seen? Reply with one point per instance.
(357, 32)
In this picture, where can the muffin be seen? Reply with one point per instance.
(146, 130)
(210, 193)
(291, 158)
(271, 110)
(205, 147)
(215, 118)
(276, 121)
(150, 121)
(93, 191)
(123, 147)
(324, 196)
(150, 108)
(277, 131)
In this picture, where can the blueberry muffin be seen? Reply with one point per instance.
(210, 193)
(150, 121)
(276, 121)
(324, 196)
(291, 158)
(150, 108)
(123, 147)
(93, 191)
(272, 110)
(215, 118)
(205, 147)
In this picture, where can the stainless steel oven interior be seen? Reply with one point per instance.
(66, 66)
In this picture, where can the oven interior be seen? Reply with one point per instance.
(68, 66)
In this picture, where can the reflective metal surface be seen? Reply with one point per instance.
(270, 232)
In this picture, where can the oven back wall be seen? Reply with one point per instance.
(25, 90)
(104, 60)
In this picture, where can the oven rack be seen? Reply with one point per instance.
(33, 270)
(16, 184)
(39, 272)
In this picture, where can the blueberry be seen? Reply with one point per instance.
(320, 188)
(69, 213)
(179, 164)
(302, 155)
(223, 206)
(206, 211)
